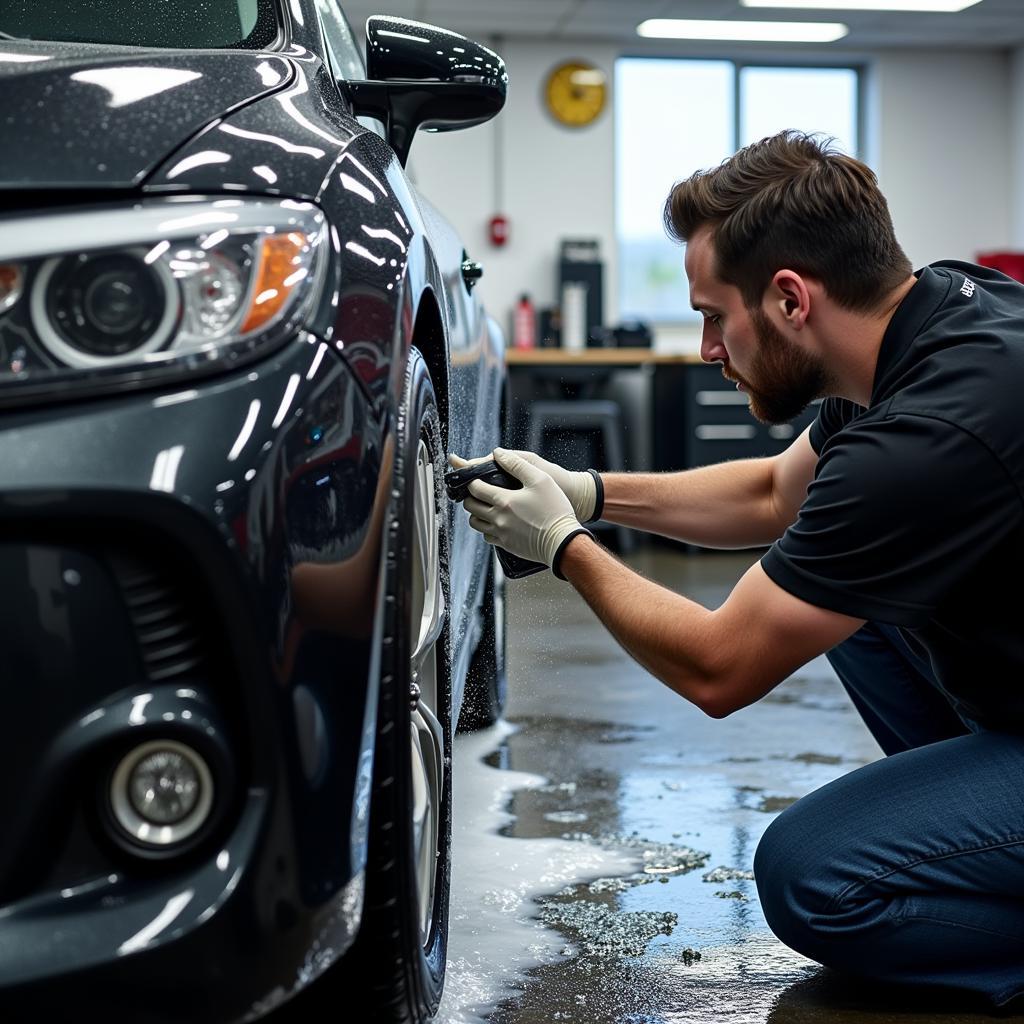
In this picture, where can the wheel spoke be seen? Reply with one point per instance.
(427, 560)
(428, 784)
(426, 733)
(425, 521)
(429, 552)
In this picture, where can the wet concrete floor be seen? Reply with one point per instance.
(632, 768)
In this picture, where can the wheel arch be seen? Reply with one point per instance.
(428, 336)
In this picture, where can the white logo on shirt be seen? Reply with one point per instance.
(968, 288)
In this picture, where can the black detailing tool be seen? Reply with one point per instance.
(457, 483)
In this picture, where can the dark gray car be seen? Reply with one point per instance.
(239, 619)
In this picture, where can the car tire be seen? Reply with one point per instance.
(487, 679)
(403, 939)
(394, 972)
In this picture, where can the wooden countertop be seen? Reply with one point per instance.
(595, 357)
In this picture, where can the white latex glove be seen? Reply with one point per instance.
(579, 487)
(534, 522)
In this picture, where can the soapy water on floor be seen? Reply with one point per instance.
(559, 916)
(556, 906)
(494, 935)
(550, 917)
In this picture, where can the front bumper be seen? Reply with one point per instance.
(148, 545)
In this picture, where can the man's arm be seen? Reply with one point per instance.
(741, 504)
(720, 660)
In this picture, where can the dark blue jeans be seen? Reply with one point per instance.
(910, 869)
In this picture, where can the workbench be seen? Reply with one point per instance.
(679, 411)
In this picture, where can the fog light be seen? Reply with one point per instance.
(161, 793)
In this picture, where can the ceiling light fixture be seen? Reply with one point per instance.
(920, 6)
(743, 31)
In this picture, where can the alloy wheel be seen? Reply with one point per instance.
(426, 733)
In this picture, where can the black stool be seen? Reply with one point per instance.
(592, 416)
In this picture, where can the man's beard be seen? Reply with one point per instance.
(783, 379)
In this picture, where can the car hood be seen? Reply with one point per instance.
(79, 115)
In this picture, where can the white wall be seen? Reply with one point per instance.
(1017, 147)
(942, 122)
(939, 138)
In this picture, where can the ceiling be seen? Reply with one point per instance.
(989, 24)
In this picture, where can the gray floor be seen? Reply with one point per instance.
(631, 764)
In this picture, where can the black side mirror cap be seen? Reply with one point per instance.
(422, 76)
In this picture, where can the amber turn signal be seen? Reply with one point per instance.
(280, 271)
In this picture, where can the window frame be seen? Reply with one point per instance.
(278, 42)
(858, 67)
(332, 60)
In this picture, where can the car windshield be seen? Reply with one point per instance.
(177, 24)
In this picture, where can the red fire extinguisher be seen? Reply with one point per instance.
(498, 230)
(524, 325)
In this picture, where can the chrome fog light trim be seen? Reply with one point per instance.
(161, 793)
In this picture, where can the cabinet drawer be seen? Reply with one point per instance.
(720, 426)
(720, 414)
(717, 398)
(717, 442)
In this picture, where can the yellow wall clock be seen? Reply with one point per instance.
(575, 93)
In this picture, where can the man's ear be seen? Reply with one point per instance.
(791, 296)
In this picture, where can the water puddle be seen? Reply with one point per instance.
(603, 887)
(495, 938)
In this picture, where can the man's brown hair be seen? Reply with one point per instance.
(792, 202)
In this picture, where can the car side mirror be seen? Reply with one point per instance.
(422, 76)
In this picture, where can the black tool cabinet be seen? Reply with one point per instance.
(699, 418)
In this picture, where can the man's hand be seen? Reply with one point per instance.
(579, 487)
(534, 522)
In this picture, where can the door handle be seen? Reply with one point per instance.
(471, 272)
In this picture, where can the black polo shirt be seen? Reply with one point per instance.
(915, 515)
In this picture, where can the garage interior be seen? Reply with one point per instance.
(323, 589)
(608, 750)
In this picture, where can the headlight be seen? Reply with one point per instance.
(104, 309)
(166, 286)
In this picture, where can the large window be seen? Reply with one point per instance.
(674, 117)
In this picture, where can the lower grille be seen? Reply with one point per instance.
(166, 627)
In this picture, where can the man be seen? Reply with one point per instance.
(896, 545)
